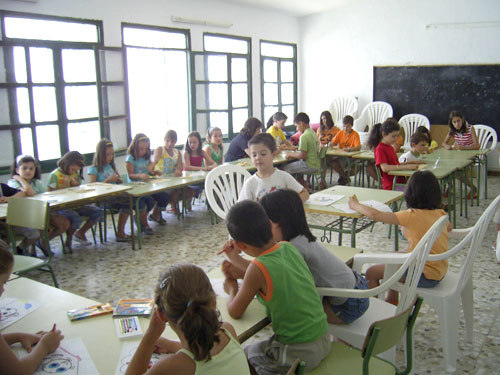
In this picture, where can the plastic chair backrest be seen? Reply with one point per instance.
(26, 212)
(343, 106)
(485, 134)
(411, 122)
(222, 187)
(373, 113)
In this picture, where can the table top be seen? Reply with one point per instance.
(443, 153)
(363, 194)
(444, 168)
(99, 332)
(364, 155)
(339, 152)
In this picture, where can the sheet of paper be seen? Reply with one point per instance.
(13, 309)
(371, 203)
(324, 199)
(128, 350)
(71, 358)
(218, 286)
(344, 207)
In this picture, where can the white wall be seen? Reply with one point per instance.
(340, 48)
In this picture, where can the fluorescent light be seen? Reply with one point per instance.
(463, 25)
(194, 21)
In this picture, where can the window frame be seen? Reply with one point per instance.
(279, 82)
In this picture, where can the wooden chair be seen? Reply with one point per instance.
(30, 213)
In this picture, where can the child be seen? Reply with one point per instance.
(214, 146)
(139, 168)
(103, 169)
(268, 178)
(327, 129)
(68, 174)
(280, 278)
(168, 161)
(307, 159)
(26, 176)
(238, 148)
(37, 345)
(419, 143)
(275, 126)
(423, 199)
(186, 301)
(348, 140)
(432, 143)
(382, 137)
(288, 223)
(465, 139)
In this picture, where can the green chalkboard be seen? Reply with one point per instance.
(435, 91)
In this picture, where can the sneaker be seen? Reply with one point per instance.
(81, 240)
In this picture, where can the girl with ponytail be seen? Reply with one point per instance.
(186, 301)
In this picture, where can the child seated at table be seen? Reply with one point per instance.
(348, 140)
(289, 223)
(267, 178)
(423, 199)
(69, 174)
(26, 176)
(419, 143)
(280, 278)
(275, 126)
(432, 143)
(307, 157)
(37, 345)
(186, 301)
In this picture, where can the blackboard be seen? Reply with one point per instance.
(435, 91)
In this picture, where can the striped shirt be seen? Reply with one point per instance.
(464, 139)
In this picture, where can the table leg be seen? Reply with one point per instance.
(454, 200)
(353, 232)
(478, 182)
(138, 223)
(131, 205)
(341, 228)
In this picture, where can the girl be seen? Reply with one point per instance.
(238, 148)
(186, 301)
(103, 169)
(382, 138)
(275, 126)
(168, 161)
(423, 199)
(327, 130)
(37, 345)
(26, 176)
(432, 144)
(288, 223)
(195, 159)
(139, 168)
(68, 174)
(214, 146)
(465, 139)
(267, 178)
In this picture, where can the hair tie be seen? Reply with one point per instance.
(141, 138)
(164, 282)
(109, 144)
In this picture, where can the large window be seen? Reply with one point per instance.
(222, 83)
(157, 69)
(54, 92)
(278, 79)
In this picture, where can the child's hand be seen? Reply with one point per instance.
(18, 178)
(51, 340)
(158, 173)
(230, 271)
(230, 249)
(74, 182)
(353, 201)
(27, 340)
(412, 167)
(178, 173)
(156, 325)
(163, 345)
(4, 199)
(114, 178)
(144, 177)
(230, 286)
(448, 147)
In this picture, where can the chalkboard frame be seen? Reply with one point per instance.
(436, 90)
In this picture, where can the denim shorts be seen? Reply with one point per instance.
(424, 282)
(353, 308)
(73, 217)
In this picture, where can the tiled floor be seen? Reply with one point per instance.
(112, 271)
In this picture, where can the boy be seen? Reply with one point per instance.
(419, 143)
(348, 140)
(307, 158)
(283, 283)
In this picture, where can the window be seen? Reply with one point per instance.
(278, 66)
(222, 83)
(157, 68)
(53, 89)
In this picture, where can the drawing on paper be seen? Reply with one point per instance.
(128, 350)
(13, 309)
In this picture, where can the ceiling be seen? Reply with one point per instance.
(297, 8)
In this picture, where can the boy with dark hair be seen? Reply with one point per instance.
(419, 143)
(283, 283)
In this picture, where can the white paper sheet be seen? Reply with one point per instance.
(371, 203)
(324, 199)
(218, 286)
(128, 350)
(13, 309)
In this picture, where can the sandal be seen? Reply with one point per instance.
(160, 220)
(82, 240)
(148, 230)
(127, 238)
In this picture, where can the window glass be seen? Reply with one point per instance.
(217, 67)
(78, 65)
(141, 37)
(47, 140)
(276, 50)
(81, 102)
(287, 93)
(287, 71)
(239, 69)
(44, 101)
(270, 93)
(23, 105)
(20, 65)
(219, 119)
(225, 44)
(240, 94)
(83, 136)
(42, 65)
(270, 71)
(26, 141)
(218, 95)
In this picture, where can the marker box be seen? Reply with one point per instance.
(128, 327)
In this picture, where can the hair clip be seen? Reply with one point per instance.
(109, 144)
(142, 138)
(165, 282)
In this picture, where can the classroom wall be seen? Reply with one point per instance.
(339, 48)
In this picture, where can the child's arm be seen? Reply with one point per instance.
(355, 148)
(179, 167)
(187, 163)
(474, 146)
(446, 140)
(372, 213)
(25, 186)
(233, 254)
(135, 176)
(296, 155)
(10, 364)
(209, 162)
(304, 195)
(239, 299)
(157, 155)
(397, 167)
(151, 170)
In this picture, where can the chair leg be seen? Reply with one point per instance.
(56, 284)
(468, 307)
(448, 315)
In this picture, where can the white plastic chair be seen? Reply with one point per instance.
(485, 135)
(354, 333)
(373, 113)
(455, 286)
(222, 187)
(343, 106)
(410, 123)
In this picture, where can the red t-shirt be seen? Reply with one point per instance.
(385, 154)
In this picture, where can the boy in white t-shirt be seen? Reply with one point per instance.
(419, 143)
(267, 178)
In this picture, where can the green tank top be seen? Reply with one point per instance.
(292, 301)
(216, 157)
(230, 360)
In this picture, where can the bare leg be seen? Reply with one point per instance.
(338, 168)
(122, 220)
(331, 317)
(83, 229)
